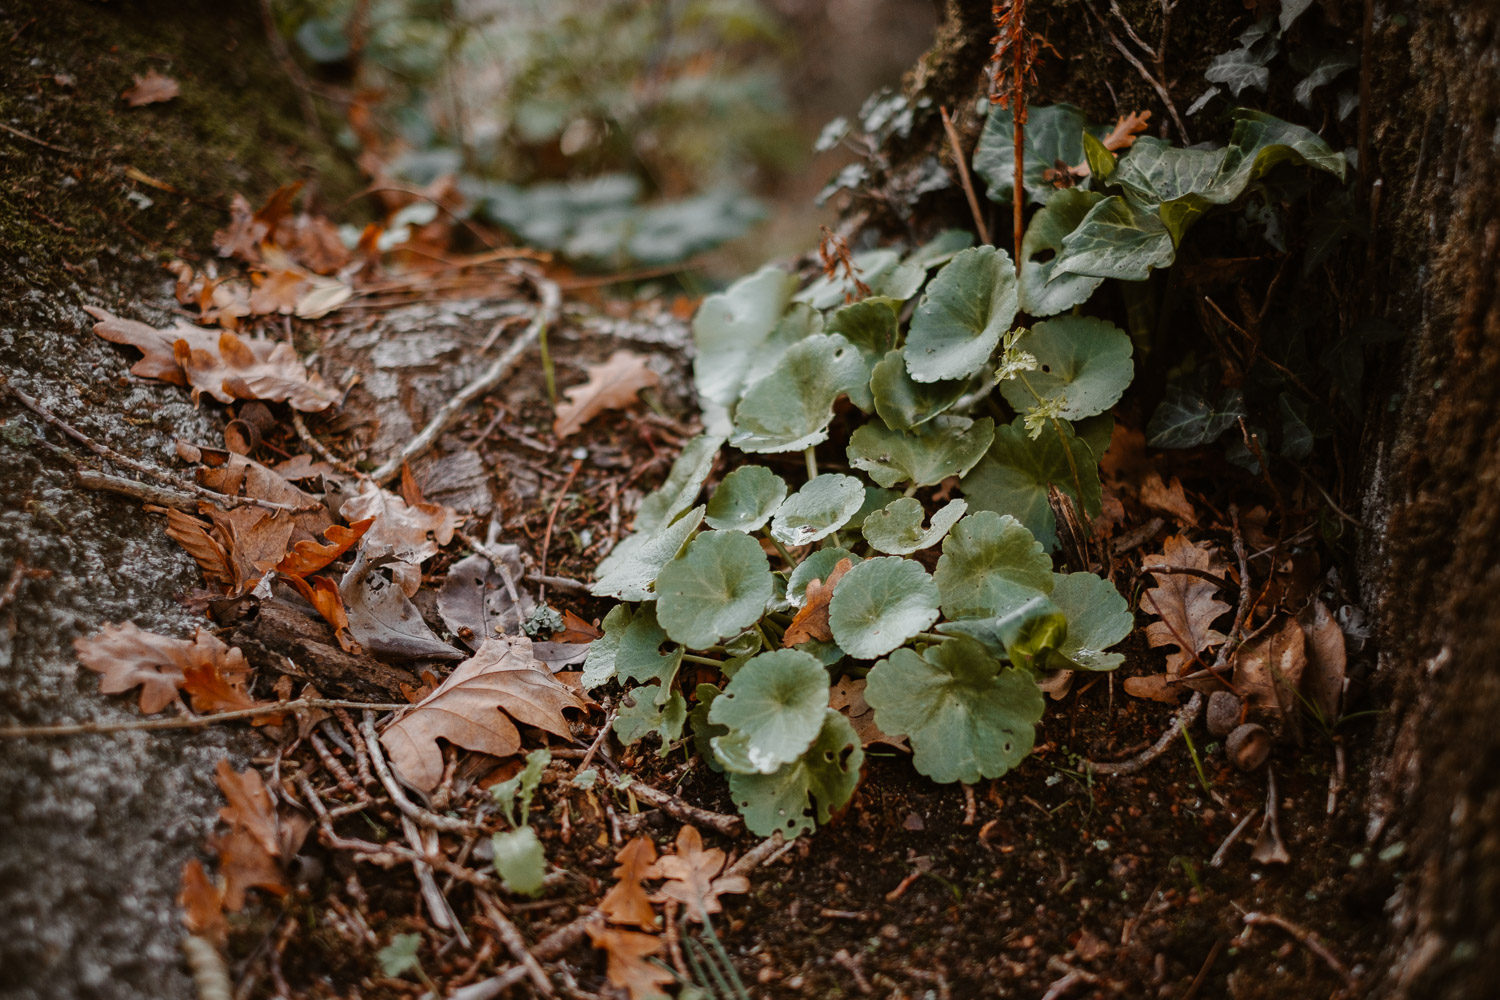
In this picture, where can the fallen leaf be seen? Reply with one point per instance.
(478, 601)
(247, 230)
(383, 620)
(323, 594)
(321, 296)
(308, 556)
(157, 346)
(277, 292)
(811, 621)
(239, 368)
(207, 551)
(1168, 499)
(626, 966)
(256, 539)
(848, 697)
(1327, 660)
(202, 903)
(575, 630)
(693, 878)
(127, 656)
(1156, 687)
(1268, 669)
(153, 88)
(474, 707)
(611, 385)
(1185, 604)
(411, 533)
(250, 804)
(627, 902)
(1127, 127)
(245, 864)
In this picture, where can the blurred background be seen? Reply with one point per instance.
(620, 134)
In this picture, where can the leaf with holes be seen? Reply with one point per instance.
(798, 796)
(1014, 476)
(962, 315)
(790, 408)
(904, 403)
(746, 499)
(821, 507)
(945, 446)
(1098, 617)
(653, 709)
(1082, 367)
(880, 604)
(773, 707)
(630, 649)
(629, 572)
(1044, 291)
(716, 588)
(967, 717)
(990, 565)
(897, 528)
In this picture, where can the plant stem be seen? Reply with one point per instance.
(812, 462)
(781, 549)
(547, 371)
(705, 660)
(929, 637)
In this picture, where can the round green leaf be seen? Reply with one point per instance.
(876, 497)
(652, 709)
(989, 566)
(1080, 360)
(941, 248)
(903, 402)
(1013, 476)
(871, 327)
(821, 507)
(731, 327)
(800, 322)
(773, 708)
(1098, 617)
(703, 730)
(1044, 291)
(716, 589)
(817, 783)
(966, 718)
(880, 604)
(961, 316)
(1035, 628)
(746, 499)
(942, 447)
(520, 861)
(629, 572)
(897, 529)
(815, 567)
(630, 649)
(790, 408)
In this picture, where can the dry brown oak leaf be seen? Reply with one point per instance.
(126, 656)
(627, 902)
(691, 875)
(811, 620)
(848, 697)
(611, 385)
(308, 556)
(1168, 499)
(153, 88)
(626, 966)
(473, 708)
(1268, 669)
(202, 902)
(410, 532)
(1184, 605)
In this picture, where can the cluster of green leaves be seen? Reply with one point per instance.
(520, 859)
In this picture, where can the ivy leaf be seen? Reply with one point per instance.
(629, 572)
(883, 273)
(1185, 419)
(1013, 476)
(945, 446)
(966, 718)
(655, 710)
(746, 499)
(1155, 171)
(689, 472)
(961, 316)
(817, 566)
(897, 528)
(1044, 291)
(804, 793)
(774, 709)
(1082, 364)
(1260, 141)
(904, 403)
(821, 507)
(1052, 133)
(630, 649)
(729, 330)
(989, 566)
(717, 588)
(880, 604)
(790, 408)
(1098, 617)
(1100, 159)
(520, 861)
(1116, 240)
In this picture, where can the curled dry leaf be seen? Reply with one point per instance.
(474, 707)
(1127, 127)
(626, 966)
(1327, 659)
(479, 601)
(248, 229)
(153, 88)
(410, 532)
(159, 359)
(693, 878)
(1268, 669)
(308, 556)
(811, 621)
(202, 902)
(848, 697)
(611, 385)
(382, 619)
(245, 864)
(126, 657)
(207, 551)
(627, 902)
(250, 804)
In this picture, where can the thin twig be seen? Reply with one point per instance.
(1304, 937)
(552, 946)
(1186, 717)
(552, 521)
(729, 826)
(964, 179)
(599, 738)
(758, 855)
(510, 936)
(1218, 859)
(197, 722)
(398, 797)
(319, 448)
(41, 142)
(546, 315)
(562, 583)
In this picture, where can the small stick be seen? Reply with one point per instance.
(41, 142)
(1185, 571)
(13, 585)
(510, 936)
(546, 315)
(552, 946)
(603, 734)
(963, 177)
(552, 520)
(729, 826)
(1218, 859)
(1304, 937)
(319, 448)
(269, 708)
(970, 805)
(398, 797)
(759, 854)
(561, 583)
(1186, 717)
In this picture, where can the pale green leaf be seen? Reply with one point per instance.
(790, 408)
(871, 327)
(876, 497)
(1082, 362)
(630, 649)
(800, 322)
(941, 248)
(521, 787)
(652, 709)
(798, 796)
(962, 315)
(689, 471)
(1261, 141)
(1116, 240)
(520, 861)
(945, 446)
(717, 588)
(1044, 290)
(1053, 133)
(1096, 432)
(880, 604)
(821, 507)
(773, 708)
(629, 572)
(1098, 617)
(1155, 171)
(703, 730)
(966, 717)
(1100, 160)
(400, 956)
(1014, 474)
(729, 330)
(746, 499)
(904, 403)
(815, 567)
(897, 529)
(990, 565)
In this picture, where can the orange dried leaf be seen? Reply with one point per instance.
(250, 804)
(693, 878)
(160, 360)
(410, 532)
(153, 88)
(235, 368)
(628, 902)
(811, 620)
(473, 708)
(1184, 604)
(1268, 669)
(211, 688)
(126, 656)
(848, 697)
(277, 292)
(1168, 499)
(245, 864)
(626, 965)
(575, 629)
(323, 594)
(207, 551)
(1123, 135)
(202, 903)
(308, 556)
(611, 385)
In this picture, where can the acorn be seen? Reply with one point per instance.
(1248, 746)
(1223, 713)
